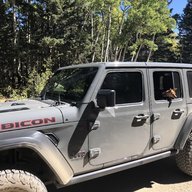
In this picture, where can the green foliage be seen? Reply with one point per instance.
(36, 82)
(169, 48)
(147, 19)
(10, 92)
(37, 37)
(185, 32)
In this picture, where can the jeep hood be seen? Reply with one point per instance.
(28, 113)
(21, 105)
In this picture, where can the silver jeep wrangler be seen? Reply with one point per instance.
(96, 119)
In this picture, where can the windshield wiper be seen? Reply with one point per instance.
(53, 100)
(57, 103)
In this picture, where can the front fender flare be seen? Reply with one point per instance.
(39, 143)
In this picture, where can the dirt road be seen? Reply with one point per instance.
(161, 176)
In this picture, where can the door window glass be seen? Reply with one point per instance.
(128, 86)
(164, 81)
(189, 79)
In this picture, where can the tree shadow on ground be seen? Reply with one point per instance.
(163, 172)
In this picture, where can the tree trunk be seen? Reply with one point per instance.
(92, 28)
(94, 46)
(14, 24)
(119, 33)
(120, 53)
(103, 40)
(137, 55)
(29, 24)
(124, 52)
(14, 27)
(108, 36)
(150, 51)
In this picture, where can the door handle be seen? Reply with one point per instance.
(142, 117)
(178, 111)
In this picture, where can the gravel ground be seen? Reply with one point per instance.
(160, 176)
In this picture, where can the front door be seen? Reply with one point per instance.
(168, 114)
(123, 131)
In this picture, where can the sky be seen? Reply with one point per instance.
(178, 6)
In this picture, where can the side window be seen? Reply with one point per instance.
(128, 86)
(189, 79)
(164, 81)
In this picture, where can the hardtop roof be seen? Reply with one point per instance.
(131, 65)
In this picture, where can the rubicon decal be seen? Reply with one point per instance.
(27, 123)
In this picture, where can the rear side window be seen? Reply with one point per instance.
(128, 86)
(165, 80)
(189, 79)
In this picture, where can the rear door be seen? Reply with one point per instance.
(123, 131)
(168, 116)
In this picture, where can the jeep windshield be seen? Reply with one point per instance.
(69, 85)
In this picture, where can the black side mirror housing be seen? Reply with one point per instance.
(106, 98)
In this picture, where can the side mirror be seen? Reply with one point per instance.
(106, 98)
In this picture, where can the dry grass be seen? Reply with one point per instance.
(2, 99)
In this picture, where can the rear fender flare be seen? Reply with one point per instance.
(184, 133)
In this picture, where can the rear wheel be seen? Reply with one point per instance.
(184, 157)
(20, 181)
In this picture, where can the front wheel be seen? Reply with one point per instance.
(20, 181)
(184, 157)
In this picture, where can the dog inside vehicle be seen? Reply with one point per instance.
(170, 94)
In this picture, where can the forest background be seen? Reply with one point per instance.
(39, 36)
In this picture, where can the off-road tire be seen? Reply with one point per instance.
(184, 157)
(20, 181)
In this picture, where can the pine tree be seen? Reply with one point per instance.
(185, 32)
(168, 48)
